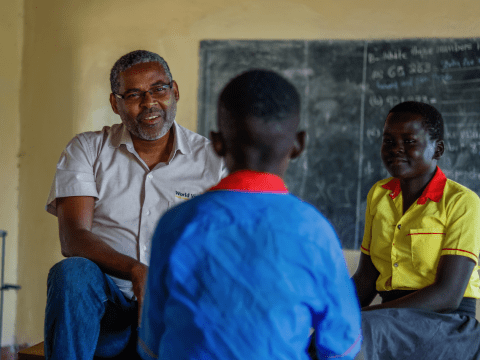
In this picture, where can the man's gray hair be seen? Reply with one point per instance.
(134, 58)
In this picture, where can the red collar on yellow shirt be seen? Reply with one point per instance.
(252, 182)
(433, 191)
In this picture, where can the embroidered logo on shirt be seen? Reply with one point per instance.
(184, 195)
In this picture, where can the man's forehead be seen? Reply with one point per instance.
(143, 67)
(143, 71)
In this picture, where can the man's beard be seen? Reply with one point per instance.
(145, 131)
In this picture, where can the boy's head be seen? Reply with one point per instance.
(412, 141)
(432, 119)
(258, 116)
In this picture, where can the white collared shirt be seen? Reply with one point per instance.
(129, 197)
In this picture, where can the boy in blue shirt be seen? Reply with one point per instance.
(246, 270)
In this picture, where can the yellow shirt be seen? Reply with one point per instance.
(406, 248)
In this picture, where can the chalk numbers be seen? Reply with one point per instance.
(419, 68)
(377, 101)
(400, 71)
(396, 71)
(393, 100)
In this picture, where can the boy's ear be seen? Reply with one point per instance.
(439, 149)
(218, 143)
(298, 144)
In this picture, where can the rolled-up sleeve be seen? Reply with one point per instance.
(463, 226)
(74, 174)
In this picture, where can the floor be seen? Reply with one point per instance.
(10, 352)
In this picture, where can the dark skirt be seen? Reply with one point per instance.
(419, 334)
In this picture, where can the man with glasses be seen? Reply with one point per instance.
(110, 188)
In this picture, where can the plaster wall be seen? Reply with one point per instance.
(70, 46)
(11, 41)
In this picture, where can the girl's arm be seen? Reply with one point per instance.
(365, 279)
(445, 294)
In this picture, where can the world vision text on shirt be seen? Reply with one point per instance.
(184, 195)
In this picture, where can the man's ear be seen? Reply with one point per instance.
(298, 144)
(218, 143)
(439, 149)
(175, 90)
(113, 103)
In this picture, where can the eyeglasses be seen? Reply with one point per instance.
(157, 92)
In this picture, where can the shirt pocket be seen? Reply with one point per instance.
(426, 246)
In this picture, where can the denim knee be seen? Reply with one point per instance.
(75, 275)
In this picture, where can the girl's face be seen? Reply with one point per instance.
(407, 150)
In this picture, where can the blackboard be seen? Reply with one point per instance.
(347, 89)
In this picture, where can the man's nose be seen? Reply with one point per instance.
(148, 100)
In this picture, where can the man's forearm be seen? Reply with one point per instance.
(85, 244)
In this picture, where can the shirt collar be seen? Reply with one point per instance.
(121, 136)
(252, 182)
(433, 191)
(180, 143)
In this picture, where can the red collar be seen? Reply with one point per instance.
(252, 182)
(433, 191)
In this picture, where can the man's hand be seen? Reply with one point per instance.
(139, 281)
(75, 216)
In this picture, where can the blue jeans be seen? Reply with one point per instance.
(87, 315)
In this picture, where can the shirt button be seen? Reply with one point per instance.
(148, 212)
(144, 247)
(396, 264)
(399, 226)
(150, 176)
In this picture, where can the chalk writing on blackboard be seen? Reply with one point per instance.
(347, 89)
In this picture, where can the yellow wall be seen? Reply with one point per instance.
(69, 47)
(11, 40)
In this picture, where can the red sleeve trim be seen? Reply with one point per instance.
(146, 349)
(349, 350)
(364, 248)
(462, 250)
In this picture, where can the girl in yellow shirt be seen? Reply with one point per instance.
(420, 249)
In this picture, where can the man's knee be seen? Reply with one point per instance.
(75, 273)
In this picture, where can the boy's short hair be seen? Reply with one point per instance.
(260, 93)
(432, 119)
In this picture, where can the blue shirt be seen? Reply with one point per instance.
(244, 271)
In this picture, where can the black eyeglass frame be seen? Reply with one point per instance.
(142, 93)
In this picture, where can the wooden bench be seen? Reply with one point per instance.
(34, 352)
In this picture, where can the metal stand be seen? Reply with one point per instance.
(4, 286)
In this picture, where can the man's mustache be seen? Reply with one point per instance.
(149, 112)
